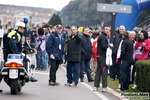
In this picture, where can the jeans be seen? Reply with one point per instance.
(53, 69)
(47, 59)
(86, 64)
(101, 70)
(73, 72)
(41, 59)
(114, 69)
(125, 75)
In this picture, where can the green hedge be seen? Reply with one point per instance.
(143, 75)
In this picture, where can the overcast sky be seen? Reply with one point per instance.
(55, 4)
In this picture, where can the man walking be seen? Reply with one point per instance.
(54, 48)
(86, 53)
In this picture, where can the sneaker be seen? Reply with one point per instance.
(112, 79)
(95, 89)
(37, 68)
(44, 69)
(73, 84)
(33, 79)
(55, 83)
(51, 83)
(81, 80)
(119, 86)
(135, 86)
(104, 89)
(67, 84)
(91, 80)
(1, 90)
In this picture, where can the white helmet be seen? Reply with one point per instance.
(21, 24)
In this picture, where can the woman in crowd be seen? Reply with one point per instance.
(142, 48)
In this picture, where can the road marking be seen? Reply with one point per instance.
(101, 96)
(95, 92)
(88, 86)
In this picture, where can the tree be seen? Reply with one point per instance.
(83, 13)
(55, 20)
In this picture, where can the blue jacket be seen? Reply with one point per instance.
(55, 46)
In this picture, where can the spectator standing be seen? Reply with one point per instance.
(102, 70)
(32, 38)
(96, 33)
(1, 35)
(116, 41)
(142, 48)
(40, 44)
(126, 59)
(67, 33)
(74, 56)
(86, 53)
(54, 48)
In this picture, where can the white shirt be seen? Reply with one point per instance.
(1, 33)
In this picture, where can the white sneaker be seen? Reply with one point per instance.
(95, 89)
(135, 86)
(119, 86)
(104, 89)
(67, 84)
(72, 84)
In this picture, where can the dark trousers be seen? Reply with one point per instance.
(101, 70)
(53, 69)
(85, 64)
(73, 72)
(125, 75)
(114, 69)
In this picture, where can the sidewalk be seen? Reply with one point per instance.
(114, 92)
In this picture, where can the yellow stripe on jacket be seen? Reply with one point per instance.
(13, 33)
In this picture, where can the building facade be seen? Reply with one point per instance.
(10, 14)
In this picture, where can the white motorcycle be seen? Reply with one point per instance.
(15, 73)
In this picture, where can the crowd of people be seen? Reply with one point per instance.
(83, 50)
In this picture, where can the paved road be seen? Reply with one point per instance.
(42, 91)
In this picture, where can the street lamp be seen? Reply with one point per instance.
(30, 17)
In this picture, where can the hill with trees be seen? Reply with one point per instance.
(84, 13)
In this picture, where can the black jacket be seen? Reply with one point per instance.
(13, 44)
(86, 45)
(94, 35)
(102, 45)
(116, 41)
(126, 50)
(74, 48)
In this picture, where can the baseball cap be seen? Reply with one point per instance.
(59, 26)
